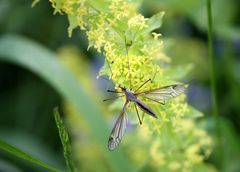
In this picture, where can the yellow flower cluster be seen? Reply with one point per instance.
(110, 23)
(131, 69)
(137, 21)
(81, 12)
(158, 157)
(178, 110)
(97, 33)
(171, 151)
(119, 9)
(76, 10)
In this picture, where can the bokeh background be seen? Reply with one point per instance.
(27, 101)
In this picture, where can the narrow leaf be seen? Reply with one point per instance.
(15, 151)
(65, 141)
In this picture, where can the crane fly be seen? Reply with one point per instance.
(159, 95)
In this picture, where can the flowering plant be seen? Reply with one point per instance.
(133, 54)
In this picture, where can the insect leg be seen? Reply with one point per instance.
(162, 103)
(142, 85)
(146, 82)
(140, 121)
(112, 91)
(112, 98)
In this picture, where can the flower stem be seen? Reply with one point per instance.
(212, 60)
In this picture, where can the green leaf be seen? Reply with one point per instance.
(15, 151)
(31, 144)
(45, 64)
(99, 5)
(65, 141)
(154, 22)
(34, 3)
(178, 72)
(193, 113)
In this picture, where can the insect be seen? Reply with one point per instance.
(159, 95)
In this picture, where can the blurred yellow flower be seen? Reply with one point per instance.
(158, 158)
(174, 166)
(192, 153)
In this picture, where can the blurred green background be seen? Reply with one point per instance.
(27, 101)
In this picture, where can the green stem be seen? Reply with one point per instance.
(212, 60)
(214, 86)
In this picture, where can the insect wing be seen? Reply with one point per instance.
(118, 129)
(164, 93)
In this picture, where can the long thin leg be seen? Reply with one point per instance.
(112, 91)
(146, 82)
(140, 122)
(162, 103)
(142, 85)
(113, 98)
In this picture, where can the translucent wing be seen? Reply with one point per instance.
(164, 93)
(118, 129)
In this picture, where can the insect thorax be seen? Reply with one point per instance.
(130, 95)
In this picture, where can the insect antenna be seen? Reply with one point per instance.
(127, 45)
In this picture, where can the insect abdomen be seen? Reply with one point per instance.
(145, 108)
